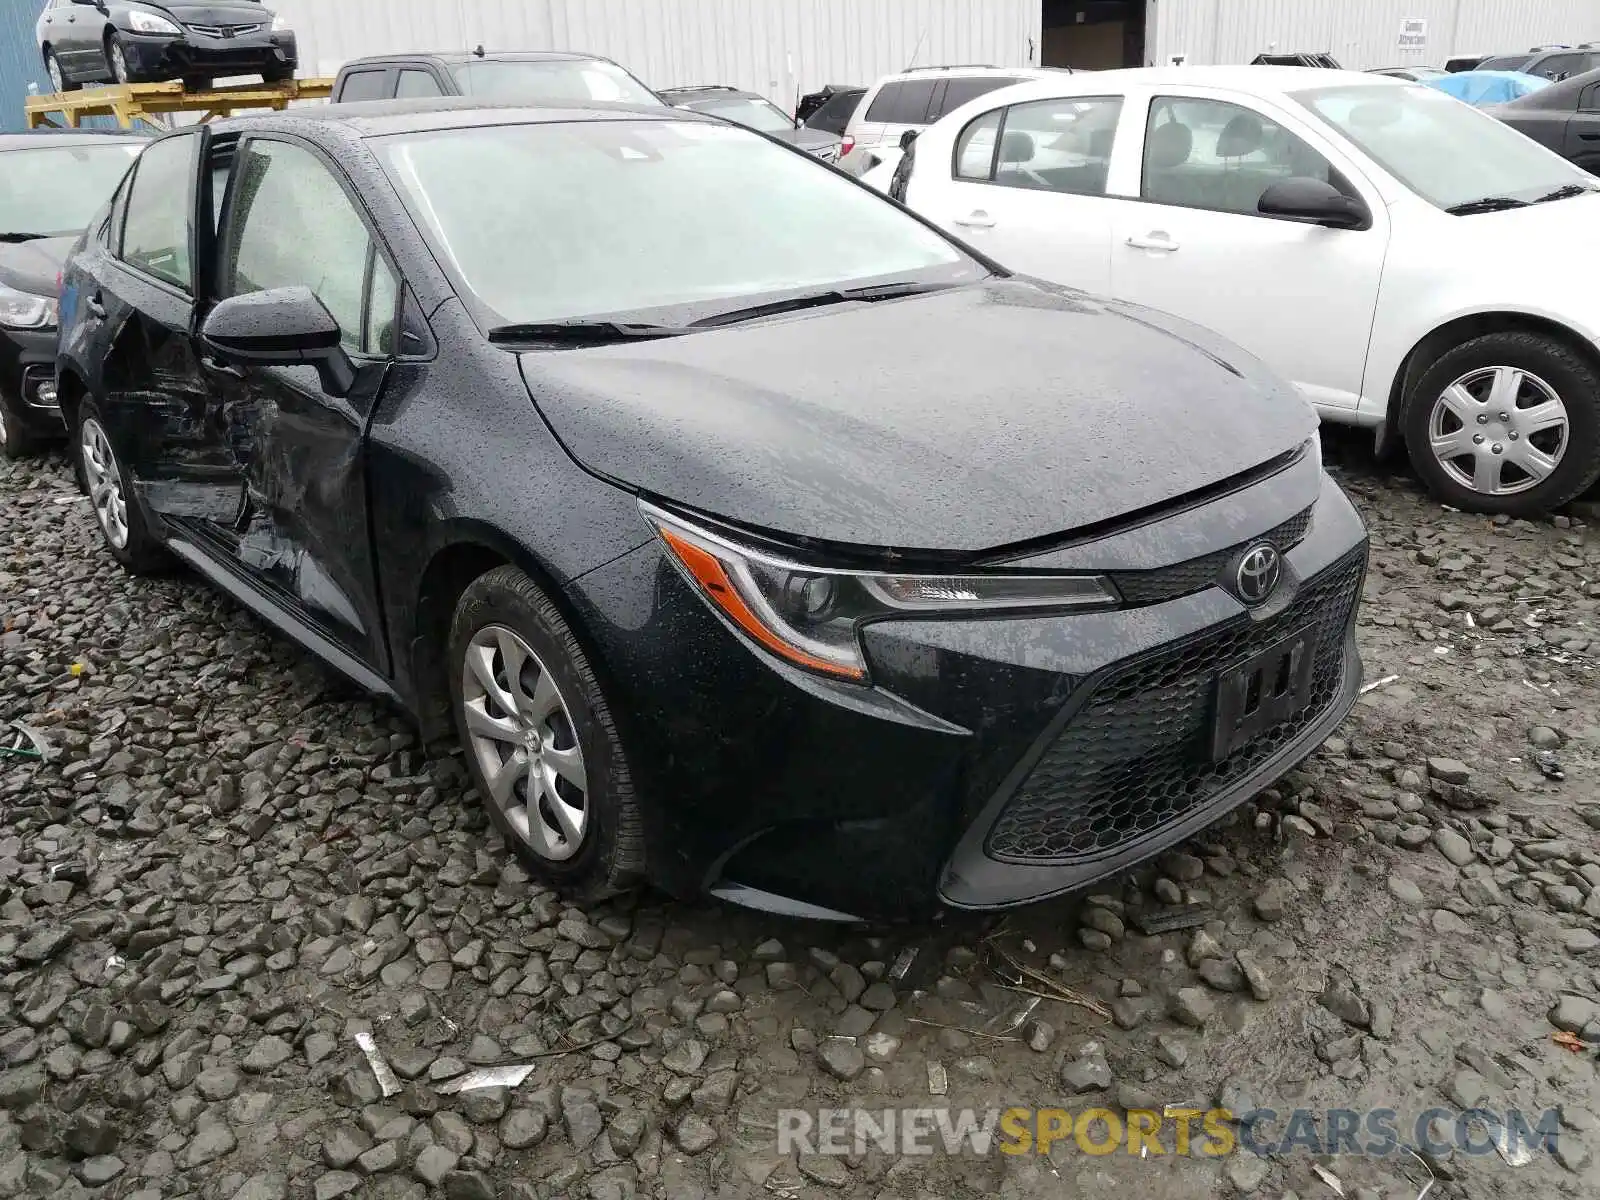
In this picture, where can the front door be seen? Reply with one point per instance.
(301, 533)
(1300, 297)
(1582, 144)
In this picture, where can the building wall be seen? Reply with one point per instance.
(778, 47)
(1362, 33)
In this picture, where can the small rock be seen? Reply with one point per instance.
(1340, 999)
(1403, 890)
(842, 1057)
(695, 1134)
(1192, 1006)
(1449, 770)
(1454, 846)
(1272, 902)
(1202, 946)
(433, 1164)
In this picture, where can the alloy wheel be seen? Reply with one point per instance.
(520, 731)
(119, 62)
(105, 483)
(1498, 430)
(5, 432)
(53, 66)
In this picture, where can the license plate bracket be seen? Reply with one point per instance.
(1264, 690)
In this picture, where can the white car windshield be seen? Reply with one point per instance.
(578, 219)
(1445, 151)
(56, 190)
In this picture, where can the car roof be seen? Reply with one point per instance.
(468, 56)
(43, 137)
(1260, 80)
(706, 91)
(979, 69)
(380, 118)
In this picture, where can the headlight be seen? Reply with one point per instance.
(810, 615)
(22, 310)
(143, 22)
(279, 24)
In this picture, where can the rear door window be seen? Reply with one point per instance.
(158, 231)
(903, 102)
(414, 83)
(970, 87)
(365, 85)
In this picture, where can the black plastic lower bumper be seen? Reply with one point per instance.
(156, 58)
(27, 381)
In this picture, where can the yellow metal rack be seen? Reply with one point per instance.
(152, 102)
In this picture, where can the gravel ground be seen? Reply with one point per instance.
(234, 865)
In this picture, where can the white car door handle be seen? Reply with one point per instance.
(976, 220)
(1154, 240)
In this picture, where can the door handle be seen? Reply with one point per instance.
(1154, 240)
(1590, 137)
(977, 219)
(95, 307)
(212, 363)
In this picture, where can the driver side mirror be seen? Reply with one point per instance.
(907, 138)
(1314, 201)
(280, 327)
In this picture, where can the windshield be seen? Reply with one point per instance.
(747, 110)
(56, 190)
(1446, 151)
(552, 80)
(579, 219)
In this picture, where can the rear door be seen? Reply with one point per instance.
(1582, 133)
(1026, 184)
(301, 534)
(899, 105)
(136, 308)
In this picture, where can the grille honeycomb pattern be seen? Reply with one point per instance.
(1168, 583)
(1137, 755)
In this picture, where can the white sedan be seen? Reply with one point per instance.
(1410, 264)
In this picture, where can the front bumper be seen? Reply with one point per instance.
(27, 380)
(994, 761)
(198, 54)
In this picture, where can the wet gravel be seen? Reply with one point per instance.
(233, 865)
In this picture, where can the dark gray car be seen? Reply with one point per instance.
(754, 111)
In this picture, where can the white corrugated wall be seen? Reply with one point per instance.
(778, 47)
(1363, 33)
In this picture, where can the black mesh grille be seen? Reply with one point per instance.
(1137, 755)
(1168, 583)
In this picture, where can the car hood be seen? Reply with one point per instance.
(216, 12)
(34, 266)
(958, 421)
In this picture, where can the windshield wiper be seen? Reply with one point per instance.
(23, 237)
(1566, 193)
(879, 291)
(582, 333)
(1486, 204)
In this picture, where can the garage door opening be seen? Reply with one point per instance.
(1093, 35)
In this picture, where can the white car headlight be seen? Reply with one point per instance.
(279, 24)
(143, 22)
(23, 310)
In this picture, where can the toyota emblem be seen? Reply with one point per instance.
(1257, 573)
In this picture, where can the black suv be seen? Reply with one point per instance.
(528, 77)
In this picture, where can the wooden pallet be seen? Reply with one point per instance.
(152, 103)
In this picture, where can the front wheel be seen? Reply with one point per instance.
(277, 75)
(116, 507)
(117, 60)
(15, 441)
(1506, 423)
(542, 745)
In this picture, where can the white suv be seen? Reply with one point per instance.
(915, 99)
(1410, 263)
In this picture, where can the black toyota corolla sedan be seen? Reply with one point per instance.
(757, 538)
(51, 184)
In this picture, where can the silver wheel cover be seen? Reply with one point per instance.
(1498, 431)
(104, 478)
(520, 732)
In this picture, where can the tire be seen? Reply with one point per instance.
(197, 83)
(117, 61)
(505, 610)
(277, 75)
(1460, 400)
(117, 509)
(58, 76)
(15, 441)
